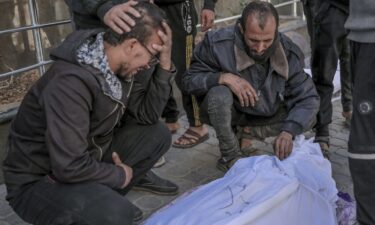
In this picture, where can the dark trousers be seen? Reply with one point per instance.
(362, 131)
(49, 202)
(217, 110)
(183, 20)
(325, 25)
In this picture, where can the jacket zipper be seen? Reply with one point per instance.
(117, 118)
(99, 148)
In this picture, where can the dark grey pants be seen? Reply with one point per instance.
(218, 111)
(328, 45)
(362, 131)
(48, 202)
(183, 19)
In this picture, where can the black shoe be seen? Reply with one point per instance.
(224, 164)
(155, 184)
(138, 214)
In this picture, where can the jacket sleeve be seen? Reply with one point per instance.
(209, 4)
(301, 97)
(204, 71)
(67, 102)
(167, 2)
(151, 91)
(92, 7)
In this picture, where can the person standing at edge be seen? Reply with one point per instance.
(183, 19)
(71, 148)
(361, 26)
(325, 24)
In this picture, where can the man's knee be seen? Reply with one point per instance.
(219, 96)
(119, 212)
(216, 104)
(162, 134)
(156, 138)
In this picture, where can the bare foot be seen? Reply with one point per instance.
(347, 115)
(173, 127)
(246, 142)
(348, 118)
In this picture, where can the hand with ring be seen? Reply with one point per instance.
(241, 88)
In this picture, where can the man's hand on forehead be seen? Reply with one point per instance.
(165, 49)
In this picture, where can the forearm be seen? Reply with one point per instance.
(303, 104)
(149, 97)
(167, 2)
(199, 83)
(87, 169)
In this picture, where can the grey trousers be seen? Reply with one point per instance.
(218, 111)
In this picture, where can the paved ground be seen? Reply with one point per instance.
(193, 167)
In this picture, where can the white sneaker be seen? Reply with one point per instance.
(160, 162)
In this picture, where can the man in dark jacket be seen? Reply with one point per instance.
(252, 76)
(325, 23)
(183, 20)
(119, 15)
(71, 149)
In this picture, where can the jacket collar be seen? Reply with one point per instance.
(278, 60)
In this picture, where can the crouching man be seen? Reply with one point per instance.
(251, 76)
(71, 147)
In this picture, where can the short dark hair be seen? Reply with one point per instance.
(151, 19)
(262, 10)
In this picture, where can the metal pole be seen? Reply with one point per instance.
(24, 69)
(36, 34)
(26, 28)
(295, 9)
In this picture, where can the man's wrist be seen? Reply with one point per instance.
(103, 9)
(166, 66)
(222, 78)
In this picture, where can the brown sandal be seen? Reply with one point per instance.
(192, 140)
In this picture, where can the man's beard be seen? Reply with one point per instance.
(124, 74)
(267, 53)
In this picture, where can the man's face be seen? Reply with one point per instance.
(138, 58)
(257, 39)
